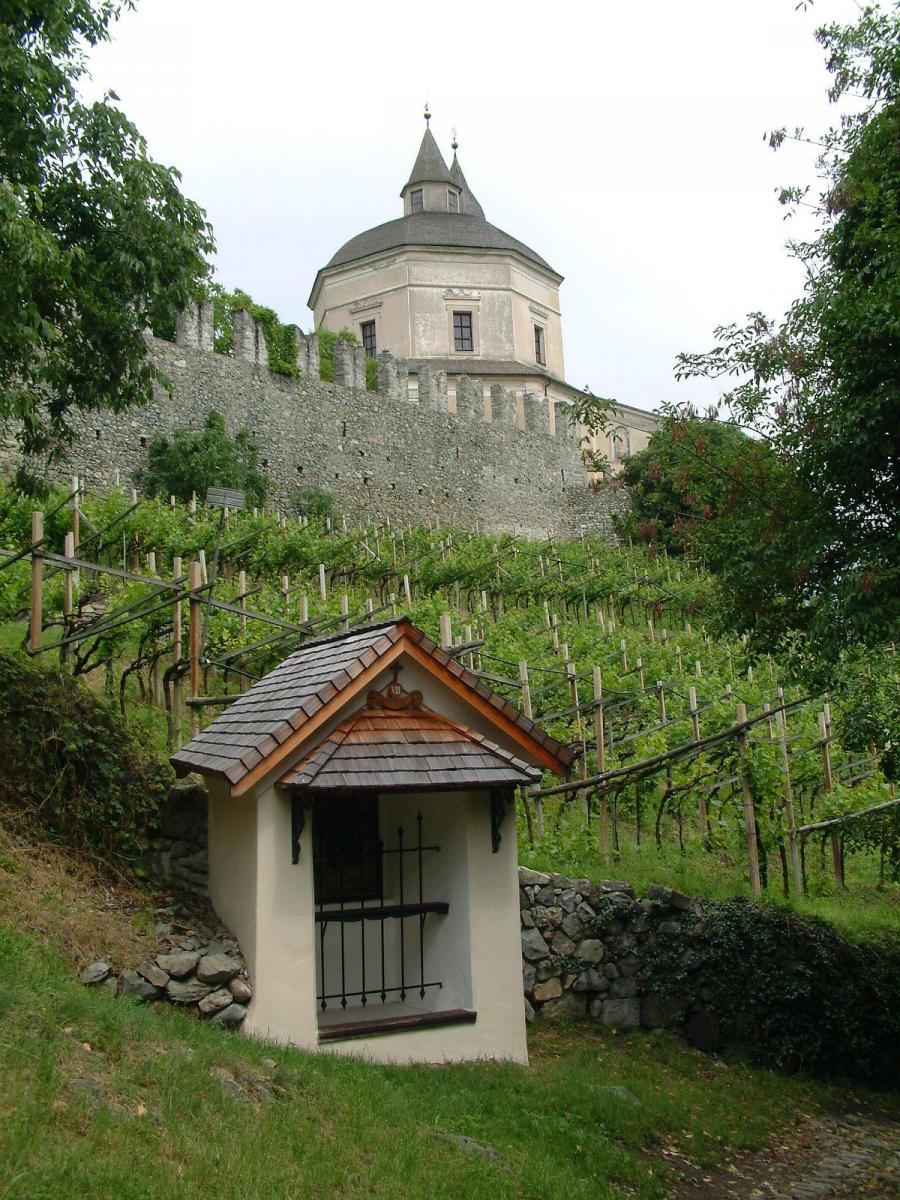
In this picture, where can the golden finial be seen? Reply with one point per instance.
(427, 114)
(454, 144)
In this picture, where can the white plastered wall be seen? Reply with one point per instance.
(268, 903)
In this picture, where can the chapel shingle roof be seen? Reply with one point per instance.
(280, 704)
(412, 749)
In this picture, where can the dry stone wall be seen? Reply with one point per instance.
(380, 454)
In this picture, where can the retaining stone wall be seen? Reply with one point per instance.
(380, 454)
(588, 949)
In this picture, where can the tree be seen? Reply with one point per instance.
(822, 386)
(193, 462)
(97, 243)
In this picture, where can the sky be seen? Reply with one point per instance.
(623, 142)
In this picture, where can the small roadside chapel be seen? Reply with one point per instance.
(362, 848)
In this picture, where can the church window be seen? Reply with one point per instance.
(367, 330)
(462, 331)
(539, 355)
(452, 201)
(416, 201)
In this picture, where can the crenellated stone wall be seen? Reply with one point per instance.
(383, 454)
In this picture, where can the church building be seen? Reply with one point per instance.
(455, 296)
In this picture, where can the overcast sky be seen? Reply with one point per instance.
(623, 142)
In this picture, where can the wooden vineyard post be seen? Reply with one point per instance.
(407, 594)
(749, 807)
(836, 847)
(37, 581)
(242, 622)
(527, 710)
(177, 688)
(345, 611)
(65, 650)
(303, 609)
(624, 651)
(446, 632)
(323, 591)
(793, 845)
(526, 689)
(600, 734)
(702, 814)
(76, 516)
(156, 696)
(194, 606)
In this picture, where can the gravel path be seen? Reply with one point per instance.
(836, 1156)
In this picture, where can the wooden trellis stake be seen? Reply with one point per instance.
(446, 632)
(177, 686)
(600, 734)
(76, 515)
(345, 611)
(407, 594)
(37, 582)
(749, 806)
(702, 814)
(323, 591)
(65, 649)
(194, 623)
(836, 847)
(788, 792)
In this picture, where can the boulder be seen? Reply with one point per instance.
(591, 950)
(178, 964)
(216, 1001)
(94, 974)
(232, 1015)
(187, 991)
(620, 1014)
(590, 981)
(529, 878)
(572, 926)
(217, 968)
(570, 1006)
(624, 988)
(241, 990)
(153, 974)
(562, 945)
(533, 945)
(549, 990)
(134, 984)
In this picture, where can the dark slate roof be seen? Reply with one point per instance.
(412, 749)
(467, 230)
(467, 201)
(429, 166)
(280, 704)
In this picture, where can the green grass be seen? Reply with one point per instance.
(105, 1098)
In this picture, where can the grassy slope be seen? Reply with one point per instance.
(104, 1098)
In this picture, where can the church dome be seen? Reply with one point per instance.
(466, 230)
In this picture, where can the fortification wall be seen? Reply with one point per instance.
(381, 454)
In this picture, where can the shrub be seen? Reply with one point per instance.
(791, 992)
(194, 462)
(70, 764)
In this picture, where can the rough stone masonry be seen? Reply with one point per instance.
(381, 454)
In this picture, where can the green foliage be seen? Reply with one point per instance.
(595, 414)
(71, 766)
(193, 462)
(314, 502)
(822, 387)
(281, 340)
(327, 340)
(96, 241)
(791, 992)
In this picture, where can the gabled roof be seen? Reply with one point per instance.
(284, 708)
(429, 166)
(467, 201)
(408, 749)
